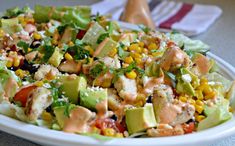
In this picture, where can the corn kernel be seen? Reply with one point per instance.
(203, 80)
(9, 63)
(183, 98)
(135, 55)
(230, 109)
(145, 51)
(68, 57)
(119, 135)
(71, 43)
(54, 42)
(128, 60)
(113, 53)
(141, 44)
(37, 36)
(210, 95)
(39, 83)
(138, 60)
(199, 118)
(16, 62)
(29, 49)
(133, 47)
(155, 54)
(207, 90)
(91, 51)
(192, 101)
(199, 108)
(199, 102)
(125, 48)
(109, 132)
(131, 75)
(20, 73)
(199, 95)
(46, 116)
(152, 46)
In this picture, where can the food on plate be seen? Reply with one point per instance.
(67, 70)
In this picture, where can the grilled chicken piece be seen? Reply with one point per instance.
(44, 71)
(127, 88)
(114, 101)
(174, 58)
(165, 130)
(70, 67)
(167, 110)
(38, 100)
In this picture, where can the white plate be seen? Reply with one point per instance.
(57, 138)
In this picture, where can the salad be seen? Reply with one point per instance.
(65, 69)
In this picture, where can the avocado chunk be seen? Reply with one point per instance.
(127, 38)
(77, 119)
(56, 58)
(140, 119)
(71, 86)
(105, 47)
(93, 34)
(8, 83)
(215, 115)
(11, 25)
(94, 98)
(185, 82)
(68, 35)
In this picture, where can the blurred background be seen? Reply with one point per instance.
(220, 36)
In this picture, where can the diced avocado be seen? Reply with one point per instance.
(73, 119)
(93, 34)
(71, 86)
(11, 25)
(127, 38)
(218, 116)
(224, 104)
(185, 81)
(8, 83)
(184, 87)
(68, 35)
(56, 58)
(105, 47)
(140, 119)
(94, 98)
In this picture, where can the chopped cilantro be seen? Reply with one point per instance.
(23, 45)
(121, 53)
(102, 37)
(68, 108)
(98, 69)
(48, 51)
(144, 28)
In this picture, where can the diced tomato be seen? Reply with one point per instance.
(189, 128)
(23, 94)
(80, 34)
(109, 123)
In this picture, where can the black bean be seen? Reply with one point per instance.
(149, 100)
(28, 66)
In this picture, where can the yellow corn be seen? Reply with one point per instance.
(54, 42)
(133, 47)
(20, 73)
(199, 118)
(135, 55)
(125, 48)
(71, 43)
(109, 132)
(37, 36)
(199, 108)
(145, 51)
(39, 83)
(199, 102)
(128, 60)
(113, 53)
(119, 135)
(183, 98)
(210, 95)
(199, 95)
(106, 83)
(68, 57)
(230, 109)
(207, 90)
(192, 101)
(16, 62)
(1, 33)
(141, 44)
(9, 63)
(131, 75)
(29, 49)
(91, 51)
(152, 46)
(155, 54)
(46, 116)
(138, 60)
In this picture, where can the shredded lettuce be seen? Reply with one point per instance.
(76, 16)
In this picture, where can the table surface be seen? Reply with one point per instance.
(220, 37)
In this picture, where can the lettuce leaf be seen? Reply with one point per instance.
(76, 16)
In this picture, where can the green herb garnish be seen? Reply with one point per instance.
(23, 45)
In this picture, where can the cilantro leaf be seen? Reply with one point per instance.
(144, 28)
(68, 108)
(98, 69)
(23, 45)
(102, 37)
(121, 53)
(49, 50)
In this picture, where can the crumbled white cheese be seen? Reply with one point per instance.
(187, 78)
